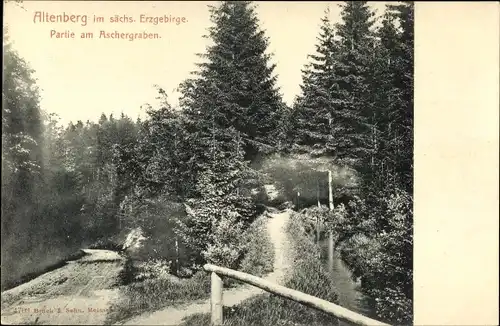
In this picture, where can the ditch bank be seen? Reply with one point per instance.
(80, 292)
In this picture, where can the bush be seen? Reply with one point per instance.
(148, 278)
(278, 201)
(308, 276)
(379, 250)
(226, 248)
(154, 269)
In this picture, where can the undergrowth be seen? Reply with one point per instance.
(153, 294)
(161, 289)
(258, 256)
(307, 275)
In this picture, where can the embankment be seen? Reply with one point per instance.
(78, 293)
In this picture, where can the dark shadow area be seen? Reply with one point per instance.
(30, 276)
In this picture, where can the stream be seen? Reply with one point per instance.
(350, 295)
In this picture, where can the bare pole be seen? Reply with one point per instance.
(330, 191)
(317, 194)
(177, 255)
(330, 233)
(317, 215)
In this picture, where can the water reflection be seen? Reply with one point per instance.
(349, 291)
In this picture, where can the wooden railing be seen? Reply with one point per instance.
(216, 302)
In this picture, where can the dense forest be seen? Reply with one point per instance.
(88, 183)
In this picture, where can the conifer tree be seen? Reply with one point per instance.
(164, 154)
(223, 210)
(313, 109)
(235, 86)
(22, 126)
(353, 109)
(404, 81)
(393, 97)
(386, 216)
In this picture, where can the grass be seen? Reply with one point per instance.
(156, 293)
(308, 275)
(259, 253)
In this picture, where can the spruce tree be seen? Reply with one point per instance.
(386, 98)
(395, 67)
(387, 216)
(353, 109)
(313, 109)
(404, 73)
(164, 154)
(393, 97)
(223, 209)
(235, 86)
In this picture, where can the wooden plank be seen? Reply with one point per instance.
(297, 296)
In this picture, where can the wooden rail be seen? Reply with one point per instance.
(216, 302)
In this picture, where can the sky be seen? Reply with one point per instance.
(81, 78)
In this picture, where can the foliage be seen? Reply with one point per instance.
(30, 202)
(308, 275)
(165, 161)
(382, 257)
(362, 79)
(154, 269)
(67, 181)
(216, 220)
(312, 112)
(234, 86)
(192, 178)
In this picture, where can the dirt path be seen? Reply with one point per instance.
(77, 293)
(231, 297)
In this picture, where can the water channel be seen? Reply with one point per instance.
(349, 291)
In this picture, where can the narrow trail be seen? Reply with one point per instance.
(234, 296)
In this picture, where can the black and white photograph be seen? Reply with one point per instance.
(208, 163)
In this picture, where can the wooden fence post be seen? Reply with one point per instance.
(216, 303)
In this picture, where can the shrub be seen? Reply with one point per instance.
(149, 233)
(226, 248)
(154, 269)
(308, 276)
(379, 249)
